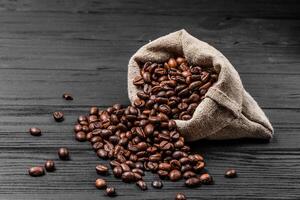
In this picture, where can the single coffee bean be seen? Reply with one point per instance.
(230, 173)
(63, 153)
(193, 182)
(80, 136)
(35, 131)
(117, 171)
(128, 177)
(94, 111)
(58, 116)
(49, 165)
(142, 185)
(36, 171)
(102, 169)
(100, 183)
(67, 96)
(206, 179)
(180, 196)
(189, 174)
(77, 128)
(157, 184)
(110, 191)
(175, 175)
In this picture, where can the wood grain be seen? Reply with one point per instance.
(49, 47)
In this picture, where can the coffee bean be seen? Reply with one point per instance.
(117, 171)
(49, 165)
(230, 173)
(100, 183)
(193, 182)
(67, 96)
(36, 171)
(149, 129)
(101, 169)
(58, 116)
(80, 136)
(206, 179)
(157, 184)
(175, 175)
(142, 185)
(35, 131)
(189, 174)
(172, 63)
(110, 191)
(128, 177)
(180, 196)
(63, 153)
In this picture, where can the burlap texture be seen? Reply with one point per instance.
(227, 111)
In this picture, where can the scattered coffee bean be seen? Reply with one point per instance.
(100, 183)
(110, 191)
(206, 179)
(230, 173)
(58, 116)
(67, 96)
(102, 169)
(142, 185)
(157, 184)
(175, 175)
(180, 196)
(49, 165)
(36, 171)
(117, 171)
(35, 131)
(63, 153)
(80, 136)
(193, 182)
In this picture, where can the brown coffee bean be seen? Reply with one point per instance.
(77, 128)
(180, 196)
(172, 63)
(163, 174)
(58, 116)
(100, 183)
(175, 175)
(36, 171)
(67, 96)
(230, 173)
(63, 153)
(35, 131)
(193, 182)
(80, 136)
(164, 166)
(142, 185)
(125, 167)
(110, 191)
(149, 129)
(199, 166)
(206, 179)
(101, 169)
(138, 81)
(189, 174)
(49, 165)
(128, 177)
(157, 184)
(94, 111)
(117, 171)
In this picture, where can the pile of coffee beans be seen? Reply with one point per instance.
(144, 137)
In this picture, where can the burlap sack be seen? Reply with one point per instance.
(227, 111)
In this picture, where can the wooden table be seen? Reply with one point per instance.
(49, 47)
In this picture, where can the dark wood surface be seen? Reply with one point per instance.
(48, 47)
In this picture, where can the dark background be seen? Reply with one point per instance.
(49, 47)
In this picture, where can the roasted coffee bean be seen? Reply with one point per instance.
(100, 183)
(139, 171)
(110, 191)
(180, 196)
(94, 111)
(36, 171)
(80, 136)
(101, 153)
(128, 177)
(117, 171)
(163, 174)
(175, 175)
(101, 169)
(49, 165)
(157, 184)
(189, 174)
(35, 131)
(63, 153)
(58, 116)
(125, 167)
(230, 173)
(77, 128)
(206, 179)
(67, 96)
(199, 166)
(142, 185)
(164, 166)
(149, 129)
(193, 182)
